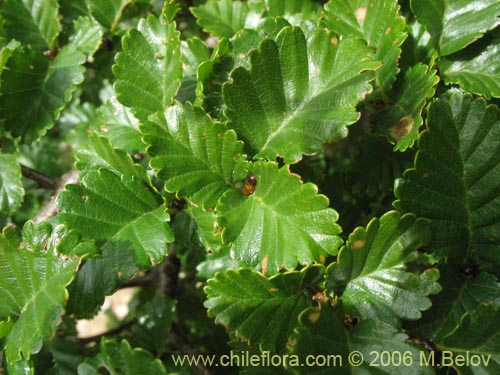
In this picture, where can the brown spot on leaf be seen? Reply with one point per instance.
(360, 14)
(402, 128)
(264, 262)
(358, 244)
(334, 41)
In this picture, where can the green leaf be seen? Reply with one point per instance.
(101, 153)
(153, 53)
(478, 337)
(259, 309)
(223, 18)
(460, 296)
(107, 12)
(6, 53)
(376, 22)
(370, 272)
(127, 218)
(119, 358)
(282, 223)
(455, 179)
(401, 121)
(32, 22)
(298, 95)
(153, 322)
(293, 10)
(454, 24)
(21, 368)
(323, 333)
(96, 278)
(475, 69)
(208, 230)
(11, 184)
(194, 52)
(198, 159)
(35, 90)
(120, 126)
(32, 290)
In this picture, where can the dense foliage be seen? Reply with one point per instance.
(282, 176)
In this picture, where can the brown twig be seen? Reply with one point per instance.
(147, 280)
(111, 332)
(50, 209)
(43, 181)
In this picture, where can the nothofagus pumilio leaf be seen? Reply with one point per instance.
(249, 187)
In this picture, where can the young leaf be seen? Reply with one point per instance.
(378, 23)
(11, 184)
(222, 18)
(197, 158)
(455, 24)
(298, 95)
(127, 218)
(460, 296)
(323, 333)
(120, 126)
(119, 358)
(35, 90)
(153, 53)
(455, 179)
(370, 271)
(477, 336)
(107, 12)
(475, 69)
(101, 153)
(32, 289)
(282, 223)
(259, 309)
(402, 120)
(32, 22)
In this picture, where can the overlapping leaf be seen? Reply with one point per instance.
(260, 310)
(126, 218)
(402, 120)
(149, 69)
(378, 23)
(298, 95)
(454, 24)
(32, 22)
(460, 296)
(476, 69)
(197, 158)
(478, 337)
(11, 184)
(371, 275)
(323, 334)
(119, 358)
(32, 289)
(456, 181)
(284, 222)
(35, 90)
(101, 153)
(107, 12)
(223, 18)
(120, 126)
(152, 326)
(96, 278)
